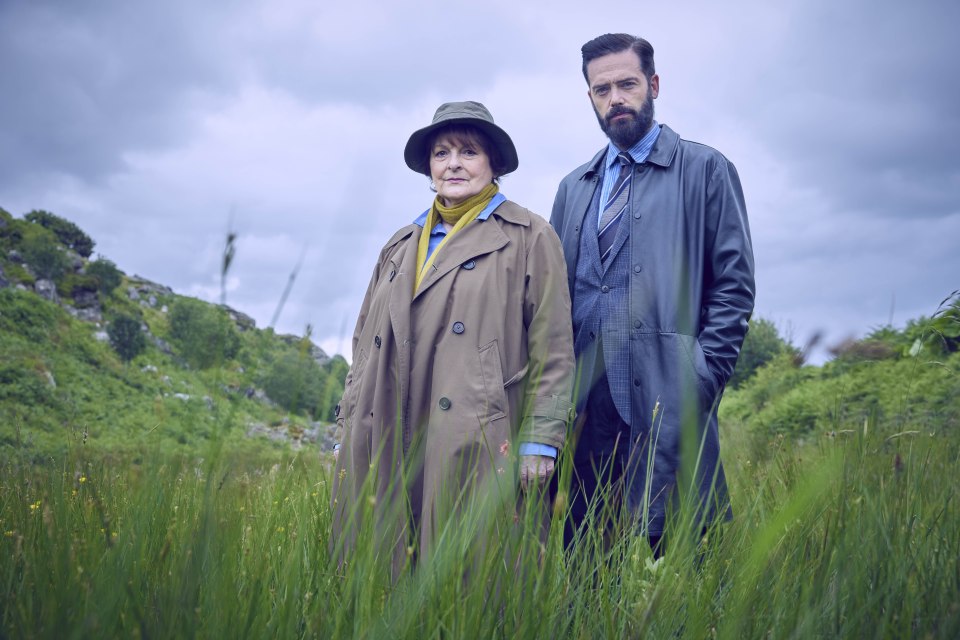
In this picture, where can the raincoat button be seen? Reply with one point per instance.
(605, 289)
(469, 264)
(458, 327)
(377, 341)
(637, 268)
(445, 403)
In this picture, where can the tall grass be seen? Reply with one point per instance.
(856, 537)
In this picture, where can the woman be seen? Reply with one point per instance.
(463, 351)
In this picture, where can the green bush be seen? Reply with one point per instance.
(68, 233)
(27, 315)
(203, 333)
(107, 274)
(73, 284)
(126, 337)
(761, 345)
(43, 253)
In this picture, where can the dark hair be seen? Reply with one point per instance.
(469, 132)
(615, 43)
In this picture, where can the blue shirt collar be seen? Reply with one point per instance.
(638, 152)
(495, 202)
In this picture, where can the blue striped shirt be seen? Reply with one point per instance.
(638, 152)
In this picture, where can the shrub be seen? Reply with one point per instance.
(203, 333)
(27, 315)
(126, 337)
(44, 254)
(761, 345)
(107, 274)
(74, 284)
(68, 233)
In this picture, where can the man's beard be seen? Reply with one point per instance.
(627, 132)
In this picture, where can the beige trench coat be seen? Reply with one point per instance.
(447, 383)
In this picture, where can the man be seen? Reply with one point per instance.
(660, 269)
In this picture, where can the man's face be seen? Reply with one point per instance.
(621, 96)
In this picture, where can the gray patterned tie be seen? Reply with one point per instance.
(617, 203)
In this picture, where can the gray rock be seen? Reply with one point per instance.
(50, 380)
(75, 261)
(163, 309)
(319, 355)
(166, 380)
(21, 287)
(149, 368)
(152, 300)
(242, 320)
(132, 293)
(92, 315)
(46, 289)
(101, 336)
(161, 344)
(146, 287)
(14, 256)
(86, 299)
(181, 396)
(207, 400)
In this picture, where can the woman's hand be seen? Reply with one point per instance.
(535, 470)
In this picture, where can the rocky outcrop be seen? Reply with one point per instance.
(293, 434)
(46, 289)
(318, 354)
(242, 320)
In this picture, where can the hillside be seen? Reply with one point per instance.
(93, 356)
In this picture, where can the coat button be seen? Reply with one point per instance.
(445, 403)
(377, 341)
(605, 289)
(469, 264)
(637, 268)
(636, 215)
(637, 324)
(393, 273)
(458, 327)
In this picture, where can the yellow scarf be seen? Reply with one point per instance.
(459, 216)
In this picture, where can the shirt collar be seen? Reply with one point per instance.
(639, 151)
(495, 202)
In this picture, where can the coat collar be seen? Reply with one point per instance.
(474, 240)
(662, 154)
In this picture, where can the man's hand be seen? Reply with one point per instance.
(535, 470)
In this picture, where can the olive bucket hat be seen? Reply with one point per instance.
(470, 113)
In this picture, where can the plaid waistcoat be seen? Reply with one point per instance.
(601, 312)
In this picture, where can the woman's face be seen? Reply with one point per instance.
(460, 168)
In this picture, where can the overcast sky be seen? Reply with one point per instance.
(155, 126)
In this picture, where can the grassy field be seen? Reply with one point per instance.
(852, 536)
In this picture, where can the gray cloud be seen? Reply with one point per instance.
(153, 124)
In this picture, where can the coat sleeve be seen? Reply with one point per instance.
(549, 384)
(348, 385)
(728, 284)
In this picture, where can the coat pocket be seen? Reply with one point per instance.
(495, 398)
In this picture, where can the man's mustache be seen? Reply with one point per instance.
(620, 110)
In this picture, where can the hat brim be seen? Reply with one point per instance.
(416, 154)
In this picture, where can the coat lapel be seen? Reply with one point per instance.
(474, 240)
